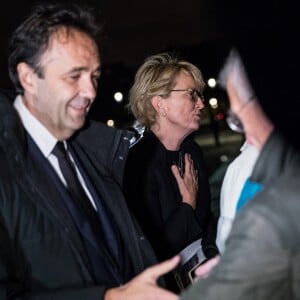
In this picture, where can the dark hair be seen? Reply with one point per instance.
(30, 40)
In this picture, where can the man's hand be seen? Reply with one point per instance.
(204, 270)
(144, 285)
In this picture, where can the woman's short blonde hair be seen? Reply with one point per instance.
(157, 76)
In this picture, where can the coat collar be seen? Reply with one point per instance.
(276, 157)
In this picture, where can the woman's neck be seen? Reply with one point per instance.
(169, 139)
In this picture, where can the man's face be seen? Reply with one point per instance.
(62, 97)
(239, 106)
(243, 103)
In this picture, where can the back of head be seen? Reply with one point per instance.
(31, 39)
(265, 34)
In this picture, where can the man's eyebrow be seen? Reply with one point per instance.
(80, 69)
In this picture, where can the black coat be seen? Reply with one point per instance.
(152, 193)
(42, 256)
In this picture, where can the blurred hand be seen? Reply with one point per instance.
(144, 286)
(188, 184)
(204, 270)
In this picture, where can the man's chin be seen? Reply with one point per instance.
(77, 124)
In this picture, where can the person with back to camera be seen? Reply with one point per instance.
(165, 181)
(65, 229)
(261, 259)
(272, 57)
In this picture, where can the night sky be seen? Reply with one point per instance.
(196, 29)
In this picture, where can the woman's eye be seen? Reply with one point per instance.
(192, 95)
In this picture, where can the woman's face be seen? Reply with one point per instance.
(180, 111)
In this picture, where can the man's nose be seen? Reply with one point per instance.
(88, 88)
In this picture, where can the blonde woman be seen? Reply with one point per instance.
(165, 183)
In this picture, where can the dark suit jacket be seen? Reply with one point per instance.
(42, 256)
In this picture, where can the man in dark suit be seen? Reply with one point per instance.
(65, 230)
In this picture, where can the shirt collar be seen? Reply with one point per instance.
(39, 133)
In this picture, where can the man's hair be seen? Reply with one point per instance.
(234, 65)
(31, 39)
(233, 57)
(157, 76)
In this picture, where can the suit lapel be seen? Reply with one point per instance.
(105, 186)
(48, 195)
(96, 192)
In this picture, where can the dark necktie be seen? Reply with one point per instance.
(75, 187)
(102, 226)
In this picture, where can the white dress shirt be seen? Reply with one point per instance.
(45, 141)
(236, 174)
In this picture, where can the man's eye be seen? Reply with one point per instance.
(75, 76)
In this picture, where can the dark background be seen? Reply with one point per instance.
(199, 31)
(133, 30)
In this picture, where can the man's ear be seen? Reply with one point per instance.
(27, 77)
